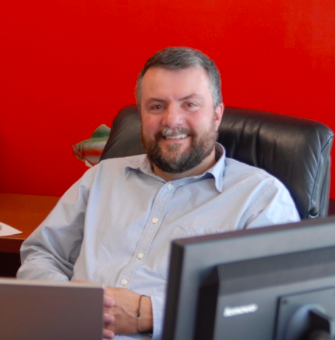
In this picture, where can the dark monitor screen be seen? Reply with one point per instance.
(267, 283)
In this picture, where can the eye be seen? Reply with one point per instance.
(156, 107)
(191, 105)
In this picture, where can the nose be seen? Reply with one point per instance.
(173, 116)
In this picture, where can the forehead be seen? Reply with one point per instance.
(159, 82)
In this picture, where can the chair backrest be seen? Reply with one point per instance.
(295, 150)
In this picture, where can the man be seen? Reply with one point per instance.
(114, 226)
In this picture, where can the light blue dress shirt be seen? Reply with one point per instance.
(114, 225)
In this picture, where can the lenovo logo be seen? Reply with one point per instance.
(234, 311)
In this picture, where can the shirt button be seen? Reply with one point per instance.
(170, 186)
(140, 255)
(124, 282)
(155, 220)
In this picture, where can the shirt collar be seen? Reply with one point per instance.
(142, 164)
(217, 170)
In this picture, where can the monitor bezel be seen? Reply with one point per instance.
(192, 258)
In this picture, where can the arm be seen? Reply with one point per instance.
(52, 249)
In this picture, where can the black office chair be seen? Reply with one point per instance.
(295, 150)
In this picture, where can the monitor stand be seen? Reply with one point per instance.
(300, 321)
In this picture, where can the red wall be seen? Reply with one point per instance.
(67, 66)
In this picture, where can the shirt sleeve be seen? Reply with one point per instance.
(50, 252)
(157, 302)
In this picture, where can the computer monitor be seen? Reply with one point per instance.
(271, 283)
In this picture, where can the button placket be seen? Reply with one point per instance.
(150, 230)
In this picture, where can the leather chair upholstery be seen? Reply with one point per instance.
(295, 150)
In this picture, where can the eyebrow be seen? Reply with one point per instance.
(190, 96)
(193, 95)
(150, 100)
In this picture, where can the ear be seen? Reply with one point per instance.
(218, 114)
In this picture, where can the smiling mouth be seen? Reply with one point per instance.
(175, 137)
(175, 133)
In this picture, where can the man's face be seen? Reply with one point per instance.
(179, 123)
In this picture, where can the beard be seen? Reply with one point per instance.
(174, 161)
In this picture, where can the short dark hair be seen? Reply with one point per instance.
(178, 58)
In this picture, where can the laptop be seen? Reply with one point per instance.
(36, 310)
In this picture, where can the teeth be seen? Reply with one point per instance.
(176, 137)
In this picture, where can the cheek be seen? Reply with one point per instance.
(150, 125)
(202, 124)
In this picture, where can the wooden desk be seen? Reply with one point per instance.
(25, 213)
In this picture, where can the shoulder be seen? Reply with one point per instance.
(240, 169)
(266, 198)
(122, 162)
(238, 173)
(110, 168)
